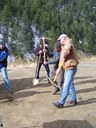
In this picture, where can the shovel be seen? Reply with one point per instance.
(35, 80)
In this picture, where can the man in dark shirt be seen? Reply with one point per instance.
(40, 53)
(54, 62)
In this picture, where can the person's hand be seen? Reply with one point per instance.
(40, 52)
(57, 71)
(45, 62)
(44, 50)
(43, 38)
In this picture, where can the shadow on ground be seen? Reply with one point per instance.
(21, 88)
(83, 77)
(86, 90)
(86, 81)
(64, 124)
(68, 124)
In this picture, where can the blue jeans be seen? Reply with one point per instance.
(5, 77)
(68, 86)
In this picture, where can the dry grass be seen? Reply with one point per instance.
(19, 63)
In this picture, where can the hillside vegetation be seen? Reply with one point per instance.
(77, 18)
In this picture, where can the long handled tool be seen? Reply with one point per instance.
(35, 80)
(53, 82)
(43, 39)
(55, 78)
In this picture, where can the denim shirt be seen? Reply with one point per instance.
(3, 57)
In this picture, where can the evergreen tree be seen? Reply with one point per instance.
(77, 18)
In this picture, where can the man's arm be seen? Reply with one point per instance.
(4, 57)
(56, 57)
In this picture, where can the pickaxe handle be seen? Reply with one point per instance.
(44, 48)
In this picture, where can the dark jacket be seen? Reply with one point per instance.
(3, 57)
(56, 56)
(42, 54)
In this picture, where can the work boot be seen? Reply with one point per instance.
(56, 89)
(58, 105)
(72, 102)
(49, 82)
(9, 91)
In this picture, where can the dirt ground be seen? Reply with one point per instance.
(31, 106)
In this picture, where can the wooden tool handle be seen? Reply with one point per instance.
(44, 48)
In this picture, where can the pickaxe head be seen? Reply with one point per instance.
(45, 38)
